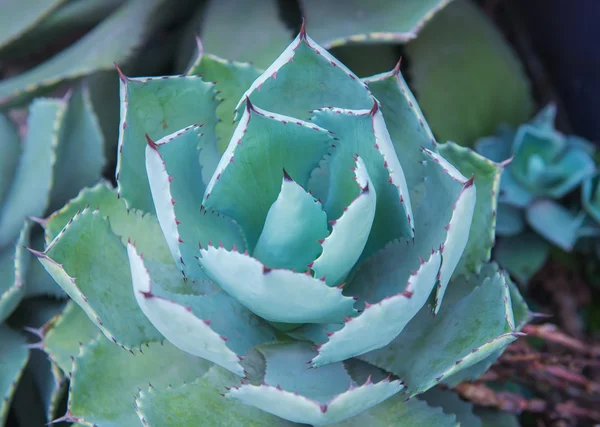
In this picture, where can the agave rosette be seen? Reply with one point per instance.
(329, 265)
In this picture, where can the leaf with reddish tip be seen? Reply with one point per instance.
(39, 282)
(296, 392)
(13, 348)
(29, 192)
(14, 265)
(276, 295)
(288, 88)
(198, 325)
(201, 403)
(350, 232)
(80, 152)
(231, 80)
(378, 22)
(90, 263)
(475, 321)
(487, 182)
(158, 107)
(378, 324)
(247, 179)
(106, 379)
(141, 228)
(364, 133)
(63, 337)
(406, 125)
(113, 40)
(293, 228)
(177, 188)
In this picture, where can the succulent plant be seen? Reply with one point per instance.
(545, 167)
(329, 265)
(61, 152)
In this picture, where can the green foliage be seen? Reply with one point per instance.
(544, 169)
(333, 262)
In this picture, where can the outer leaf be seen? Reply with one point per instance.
(275, 295)
(285, 88)
(378, 324)
(487, 182)
(522, 255)
(215, 327)
(431, 348)
(111, 41)
(357, 22)
(493, 91)
(11, 149)
(555, 223)
(175, 179)
(201, 404)
(231, 80)
(14, 358)
(105, 379)
(30, 190)
(64, 336)
(18, 17)
(293, 227)
(14, 264)
(450, 403)
(302, 395)
(158, 107)
(90, 263)
(80, 153)
(264, 143)
(255, 31)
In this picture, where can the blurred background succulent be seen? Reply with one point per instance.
(334, 258)
(44, 163)
(536, 208)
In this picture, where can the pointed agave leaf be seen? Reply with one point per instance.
(273, 294)
(364, 133)
(293, 228)
(90, 263)
(377, 22)
(14, 264)
(198, 324)
(285, 88)
(255, 31)
(63, 337)
(113, 40)
(487, 182)
(11, 149)
(463, 106)
(263, 144)
(201, 403)
(158, 107)
(13, 348)
(406, 125)
(141, 228)
(39, 282)
(80, 153)
(379, 324)
(231, 79)
(175, 178)
(475, 321)
(450, 403)
(105, 379)
(350, 232)
(294, 391)
(30, 189)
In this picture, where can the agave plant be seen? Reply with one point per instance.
(61, 152)
(328, 267)
(546, 167)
